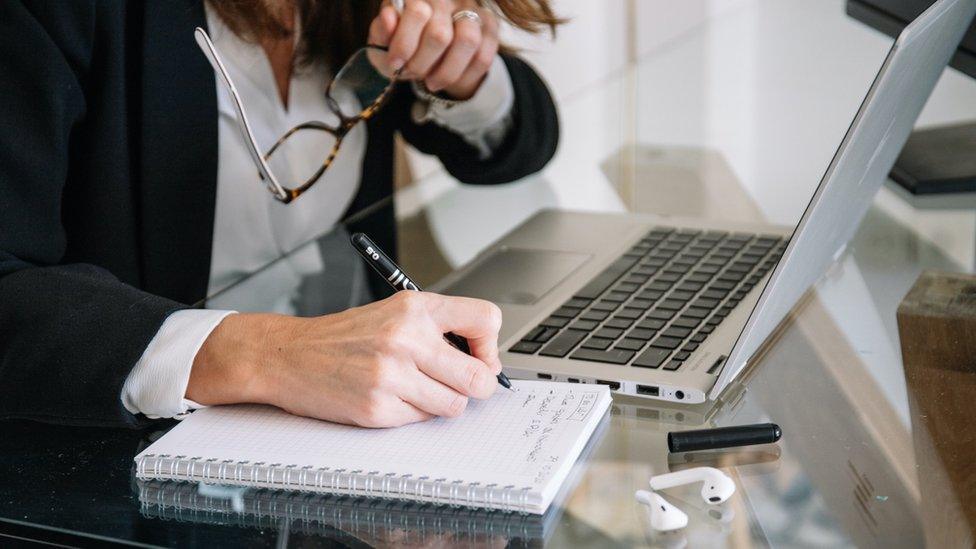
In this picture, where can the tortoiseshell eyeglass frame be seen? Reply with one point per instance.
(346, 123)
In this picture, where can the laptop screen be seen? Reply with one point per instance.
(856, 172)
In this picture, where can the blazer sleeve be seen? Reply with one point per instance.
(529, 146)
(69, 333)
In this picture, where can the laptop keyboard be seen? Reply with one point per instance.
(653, 306)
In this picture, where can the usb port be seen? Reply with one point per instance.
(614, 385)
(543, 376)
(572, 379)
(650, 390)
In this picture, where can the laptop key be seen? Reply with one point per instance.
(608, 333)
(714, 294)
(636, 279)
(652, 324)
(617, 296)
(690, 347)
(698, 338)
(673, 365)
(526, 347)
(546, 334)
(682, 355)
(666, 342)
(696, 312)
(689, 286)
(586, 325)
(626, 287)
(593, 314)
(606, 278)
(621, 323)
(681, 295)
(563, 343)
(611, 356)
(676, 332)
(577, 302)
(652, 358)
(629, 312)
(554, 322)
(604, 306)
(650, 295)
(705, 303)
(671, 304)
(566, 312)
(686, 322)
(629, 344)
(641, 303)
(660, 314)
(641, 333)
(598, 343)
(533, 333)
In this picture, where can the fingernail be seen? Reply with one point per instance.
(396, 63)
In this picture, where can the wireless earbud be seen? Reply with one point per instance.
(717, 487)
(664, 516)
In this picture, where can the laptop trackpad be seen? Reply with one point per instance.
(517, 276)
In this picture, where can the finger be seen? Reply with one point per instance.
(467, 40)
(383, 26)
(479, 65)
(437, 37)
(397, 413)
(433, 397)
(474, 319)
(409, 29)
(465, 374)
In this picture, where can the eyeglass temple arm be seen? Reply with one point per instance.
(208, 49)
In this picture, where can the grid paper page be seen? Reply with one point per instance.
(527, 438)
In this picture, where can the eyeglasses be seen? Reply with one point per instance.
(358, 82)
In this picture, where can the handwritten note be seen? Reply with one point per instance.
(546, 410)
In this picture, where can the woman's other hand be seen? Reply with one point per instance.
(380, 365)
(449, 56)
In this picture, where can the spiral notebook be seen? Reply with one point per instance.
(511, 452)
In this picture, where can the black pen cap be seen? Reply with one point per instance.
(723, 437)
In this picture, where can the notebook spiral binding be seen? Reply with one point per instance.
(321, 513)
(335, 481)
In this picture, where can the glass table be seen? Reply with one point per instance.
(735, 119)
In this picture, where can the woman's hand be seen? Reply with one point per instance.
(448, 56)
(380, 365)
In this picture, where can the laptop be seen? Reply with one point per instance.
(674, 309)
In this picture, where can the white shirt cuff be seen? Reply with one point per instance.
(485, 118)
(156, 386)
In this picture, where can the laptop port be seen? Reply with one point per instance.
(649, 390)
(680, 395)
(543, 376)
(572, 379)
(614, 385)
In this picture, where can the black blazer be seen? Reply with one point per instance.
(108, 166)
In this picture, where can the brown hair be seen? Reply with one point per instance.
(332, 30)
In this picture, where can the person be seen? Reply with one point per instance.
(126, 194)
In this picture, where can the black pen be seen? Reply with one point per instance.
(723, 437)
(393, 274)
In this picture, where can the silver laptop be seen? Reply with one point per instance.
(674, 309)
